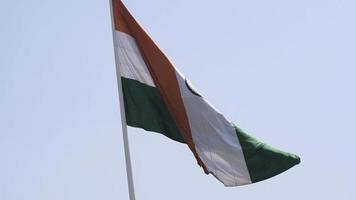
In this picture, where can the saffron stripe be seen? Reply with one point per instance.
(162, 72)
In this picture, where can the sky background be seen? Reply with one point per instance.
(284, 71)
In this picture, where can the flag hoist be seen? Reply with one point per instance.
(155, 96)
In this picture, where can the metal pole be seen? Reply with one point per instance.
(123, 116)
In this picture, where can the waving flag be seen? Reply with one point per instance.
(159, 98)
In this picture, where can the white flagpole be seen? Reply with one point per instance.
(123, 116)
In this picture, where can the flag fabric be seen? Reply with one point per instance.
(158, 98)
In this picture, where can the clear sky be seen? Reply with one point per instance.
(284, 71)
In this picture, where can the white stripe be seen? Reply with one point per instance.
(130, 60)
(215, 139)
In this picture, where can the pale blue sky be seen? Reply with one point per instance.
(285, 71)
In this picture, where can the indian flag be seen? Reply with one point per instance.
(160, 99)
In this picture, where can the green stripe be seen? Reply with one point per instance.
(264, 161)
(145, 108)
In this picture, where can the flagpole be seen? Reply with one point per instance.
(123, 116)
